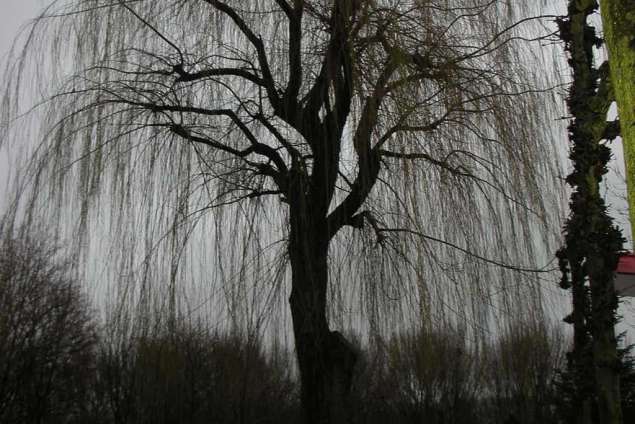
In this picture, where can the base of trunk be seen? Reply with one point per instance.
(326, 366)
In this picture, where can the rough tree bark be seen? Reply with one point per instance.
(592, 242)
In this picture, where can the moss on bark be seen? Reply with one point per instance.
(618, 20)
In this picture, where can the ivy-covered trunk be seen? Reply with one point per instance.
(618, 22)
(592, 243)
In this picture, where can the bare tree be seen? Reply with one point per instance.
(397, 147)
(47, 336)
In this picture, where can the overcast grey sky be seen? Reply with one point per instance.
(16, 15)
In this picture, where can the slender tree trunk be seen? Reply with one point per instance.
(618, 22)
(325, 359)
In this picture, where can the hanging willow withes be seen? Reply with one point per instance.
(395, 156)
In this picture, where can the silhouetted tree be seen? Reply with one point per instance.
(414, 122)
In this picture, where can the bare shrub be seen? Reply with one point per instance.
(425, 376)
(46, 336)
(191, 375)
(440, 376)
(521, 368)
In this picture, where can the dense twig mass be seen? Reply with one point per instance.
(328, 125)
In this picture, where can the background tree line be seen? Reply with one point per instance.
(61, 363)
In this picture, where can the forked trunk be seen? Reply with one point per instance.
(326, 360)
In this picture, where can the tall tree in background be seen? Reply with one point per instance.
(592, 243)
(307, 121)
(618, 23)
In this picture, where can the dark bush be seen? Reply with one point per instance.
(519, 379)
(425, 376)
(440, 376)
(56, 368)
(47, 337)
(187, 375)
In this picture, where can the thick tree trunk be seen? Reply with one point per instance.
(592, 241)
(580, 358)
(326, 360)
(604, 304)
(618, 22)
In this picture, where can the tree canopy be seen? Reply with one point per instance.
(396, 156)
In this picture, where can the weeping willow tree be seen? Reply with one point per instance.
(386, 164)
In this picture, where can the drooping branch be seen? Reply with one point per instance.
(466, 251)
(302, 99)
(256, 146)
(258, 45)
(153, 28)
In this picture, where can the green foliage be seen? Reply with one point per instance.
(206, 135)
(161, 120)
(618, 24)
